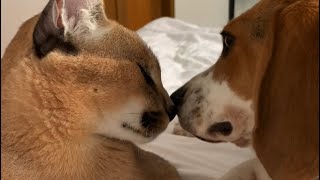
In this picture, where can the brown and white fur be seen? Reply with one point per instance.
(77, 91)
(263, 90)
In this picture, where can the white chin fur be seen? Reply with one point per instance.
(217, 97)
(112, 125)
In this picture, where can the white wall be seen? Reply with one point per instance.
(243, 5)
(13, 14)
(212, 13)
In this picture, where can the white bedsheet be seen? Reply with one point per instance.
(183, 51)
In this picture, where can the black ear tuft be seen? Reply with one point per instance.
(49, 31)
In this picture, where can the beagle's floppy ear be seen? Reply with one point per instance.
(66, 18)
(286, 138)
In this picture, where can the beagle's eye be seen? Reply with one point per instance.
(228, 41)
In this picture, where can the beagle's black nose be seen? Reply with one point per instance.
(224, 128)
(178, 96)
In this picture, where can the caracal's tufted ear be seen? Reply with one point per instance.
(62, 19)
(286, 139)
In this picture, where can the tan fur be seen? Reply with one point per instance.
(274, 62)
(51, 108)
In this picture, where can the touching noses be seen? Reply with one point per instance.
(178, 96)
(172, 110)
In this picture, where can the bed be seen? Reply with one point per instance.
(184, 50)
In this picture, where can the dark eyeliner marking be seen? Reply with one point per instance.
(146, 76)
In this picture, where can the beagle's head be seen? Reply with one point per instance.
(217, 104)
(220, 104)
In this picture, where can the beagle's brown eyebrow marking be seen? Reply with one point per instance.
(258, 29)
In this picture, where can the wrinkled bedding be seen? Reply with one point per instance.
(183, 51)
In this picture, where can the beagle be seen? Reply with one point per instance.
(263, 90)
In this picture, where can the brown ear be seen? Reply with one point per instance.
(286, 138)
